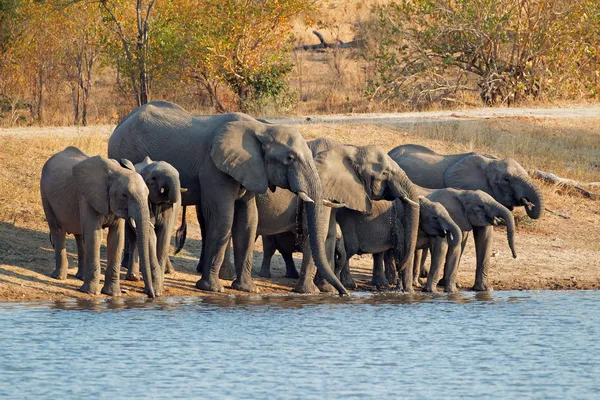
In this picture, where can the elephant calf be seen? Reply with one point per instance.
(471, 210)
(164, 198)
(81, 195)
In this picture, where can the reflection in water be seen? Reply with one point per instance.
(464, 345)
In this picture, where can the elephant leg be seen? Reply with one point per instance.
(290, 266)
(330, 241)
(59, 239)
(114, 250)
(92, 231)
(424, 267)
(463, 244)
(439, 248)
(227, 271)
(217, 232)
(483, 250)
(268, 251)
(307, 272)
(417, 267)
(379, 280)
(202, 224)
(133, 262)
(346, 276)
(126, 250)
(163, 228)
(407, 279)
(389, 263)
(80, 257)
(244, 227)
(451, 268)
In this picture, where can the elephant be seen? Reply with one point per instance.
(351, 176)
(164, 201)
(225, 161)
(81, 195)
(377, 232)
(286, 243)
(504, 179)
(470, 210)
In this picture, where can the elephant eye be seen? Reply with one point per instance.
(290, 158)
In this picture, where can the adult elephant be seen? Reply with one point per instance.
(224, 161)
(503, 179)
(352, 176)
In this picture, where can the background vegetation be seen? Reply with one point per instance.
(91, 61)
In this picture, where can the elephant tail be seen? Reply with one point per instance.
(181, 233)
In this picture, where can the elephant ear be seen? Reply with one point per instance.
(340, 180)
(125, 163)
(237, 151)
(91, 179)
(468, 173)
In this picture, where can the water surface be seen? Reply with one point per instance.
(493, 345)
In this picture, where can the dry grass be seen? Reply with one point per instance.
(553, 252)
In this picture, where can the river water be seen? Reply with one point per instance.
(537, 345)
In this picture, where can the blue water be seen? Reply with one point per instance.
(523, 345)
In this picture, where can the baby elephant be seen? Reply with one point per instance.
(81, 195)
(471, 210)
(164, 198)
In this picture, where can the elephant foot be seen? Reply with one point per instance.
(348, 281)
(450, 289)
(307, 286)
(442, 282)
(211, 285)
(244, 286)
(325, 287)
(132, 277)
(380, 282)
(292, 273)
(58, 274)
(424, 273)
(481, 287)
(417, 282)
(265, 272)
(227, 272)
(157, 292)
(80, 275)
(429, 289)
(169, 269)
(91, 288)
(111, 289)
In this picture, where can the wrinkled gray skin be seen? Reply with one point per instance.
(385, 227)
(350, 175)
(470, 210)
(438, 231)
(164, 198)
(504, 179)
(286, 243)
(82, 195)
(224, 161)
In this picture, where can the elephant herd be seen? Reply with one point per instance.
(248, 177)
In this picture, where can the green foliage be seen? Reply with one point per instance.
(506, 50)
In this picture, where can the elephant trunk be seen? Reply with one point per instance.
(531, 197)
(145, 233)
(508, 217)
(402, 188)
(172, 189)
(317, 234)
(454, 234)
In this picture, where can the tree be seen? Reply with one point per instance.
(243, 44)
(130, 26)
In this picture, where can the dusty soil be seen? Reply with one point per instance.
(554, 252)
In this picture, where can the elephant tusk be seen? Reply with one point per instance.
(333, 204)
(409, 201)
(132, 222)
(162, 190)
(152, 226)
(305, 197)
(183, 190)
(527, 203)
(497, 221)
